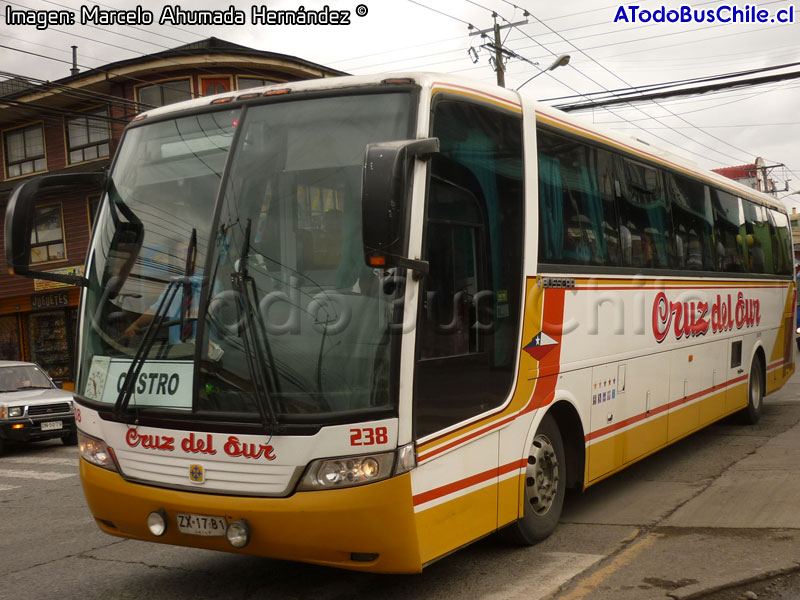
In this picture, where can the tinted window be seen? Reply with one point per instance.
(757, 238)
(577, 218)
(471, 299)
(782, 257)
(692, 221)
(728, 229)
(645, 229)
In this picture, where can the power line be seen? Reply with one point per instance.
(663, 108)
(668, 93)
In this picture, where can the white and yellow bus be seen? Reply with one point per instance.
(363, 322)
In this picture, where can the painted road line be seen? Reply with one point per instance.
(44, 475)
(592, 583)
(543, 578)
(4, 488)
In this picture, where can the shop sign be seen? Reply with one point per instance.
(41, 285)
(54, 300)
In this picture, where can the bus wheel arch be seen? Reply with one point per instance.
(555, 459)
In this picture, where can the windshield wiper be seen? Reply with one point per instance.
(154, 326)
(263, 379)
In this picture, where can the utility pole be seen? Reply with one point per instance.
(498, 54)
(497, 46)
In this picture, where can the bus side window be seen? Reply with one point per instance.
(577, 219)
(782, 242)
(644, 210)
(758, 238)
(728, 223)
(693, 222)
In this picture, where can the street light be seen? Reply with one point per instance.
(560, 61)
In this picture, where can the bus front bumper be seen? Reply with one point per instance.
(364, 528)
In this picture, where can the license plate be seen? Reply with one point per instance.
(51, 425)
(201, 524)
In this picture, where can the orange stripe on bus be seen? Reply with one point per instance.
(462, 484)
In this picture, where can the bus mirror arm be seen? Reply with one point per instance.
(384, 206)
(20, 214)
(418, 268)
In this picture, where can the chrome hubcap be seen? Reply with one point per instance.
(541, 475)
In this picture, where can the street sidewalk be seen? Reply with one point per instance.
(760, 492)
(721, 510)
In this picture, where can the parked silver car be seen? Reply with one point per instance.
(32, 407)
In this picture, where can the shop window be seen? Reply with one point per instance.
(24, 150)
(252, 82)
(9, 338)
(167, 92)
(214, 85)
(47, 235)
(50, 334)
(88, 136)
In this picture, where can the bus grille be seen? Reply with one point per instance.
(48, 409)
(252, 479)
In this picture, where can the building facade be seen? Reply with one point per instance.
(74, 125)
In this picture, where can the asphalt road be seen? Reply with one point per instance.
(721, 507)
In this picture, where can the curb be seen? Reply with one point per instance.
(700, 590)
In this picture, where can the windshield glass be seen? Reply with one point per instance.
(290, 321)
(23, 377)
(162, 192)
(318, 316)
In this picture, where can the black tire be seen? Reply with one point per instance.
(545, 486)
(2, 446)
(798, 342)
(70, 439)
(755, 393)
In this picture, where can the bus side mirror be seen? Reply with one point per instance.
(384, 211)
(20, 214)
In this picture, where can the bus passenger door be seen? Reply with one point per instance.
(468, 322)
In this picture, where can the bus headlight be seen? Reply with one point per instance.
(333, 473)
(96, 452)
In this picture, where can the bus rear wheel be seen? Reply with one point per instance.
(545, 485)
(755, 393)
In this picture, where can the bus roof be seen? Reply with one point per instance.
(545, 114)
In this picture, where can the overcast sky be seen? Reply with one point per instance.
(718, 129)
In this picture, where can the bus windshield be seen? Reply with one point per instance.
(239, 293)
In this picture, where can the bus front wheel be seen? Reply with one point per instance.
(545, 485)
